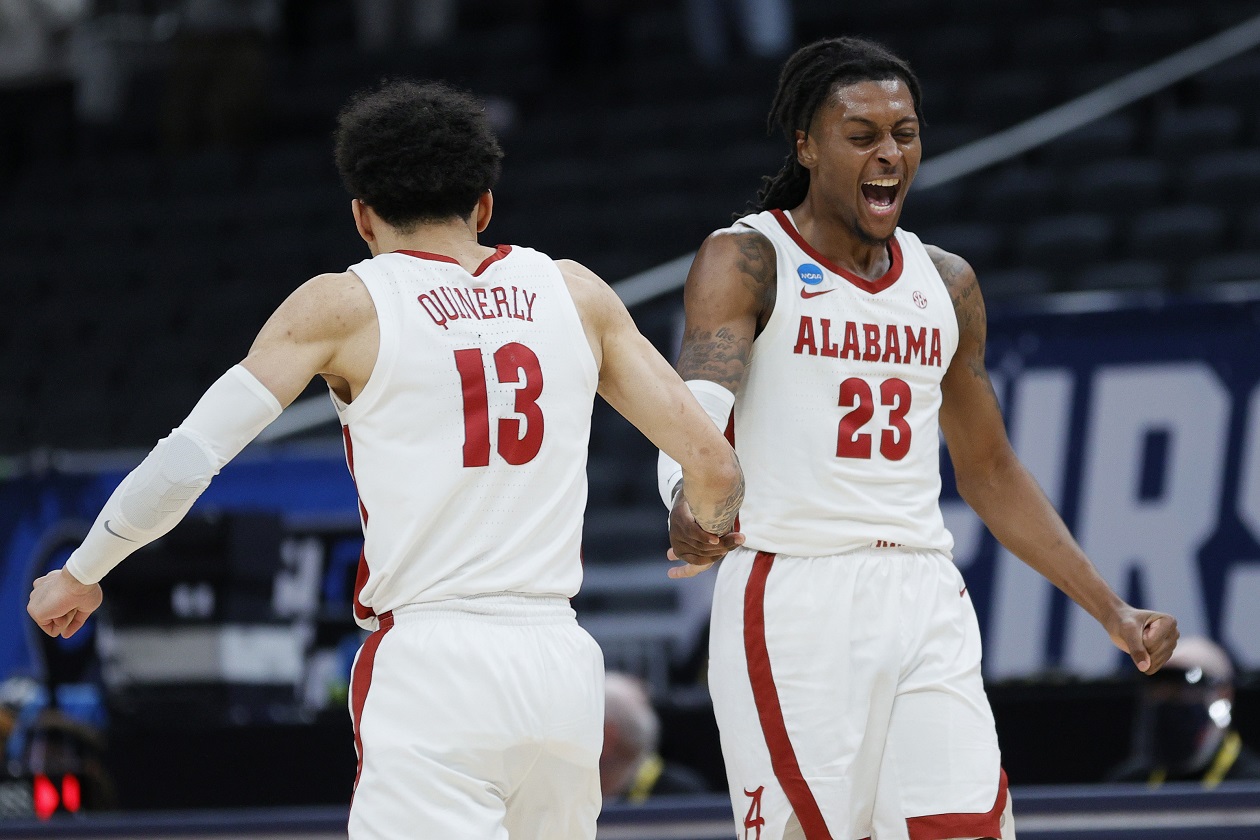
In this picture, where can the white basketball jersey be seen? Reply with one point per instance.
(837, 425)
(468, 444)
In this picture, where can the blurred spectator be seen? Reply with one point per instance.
(1183, 726)
(763, 26)
(382, 24)
(630, 768)
(35, 79)
(33, 35)
(217, 93)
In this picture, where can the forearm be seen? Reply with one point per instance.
(1010, 502)
(157, 494)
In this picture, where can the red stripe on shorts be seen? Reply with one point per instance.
(361, 681)
(782, 755)
(945, 826)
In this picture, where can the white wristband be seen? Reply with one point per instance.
(154, 496)
(717, 402)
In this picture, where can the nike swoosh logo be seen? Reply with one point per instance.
(807, 294)
(115, 533)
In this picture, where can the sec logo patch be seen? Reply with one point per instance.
(919, 300)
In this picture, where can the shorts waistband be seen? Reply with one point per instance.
(516, 608)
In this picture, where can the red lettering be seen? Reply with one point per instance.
(915, 345)
(894, 442)
(872, 342)
(850, 348)
(514, 363)
(501, 302)
(892, 344)
(465, 298)
(529, 304)
(753, 821)
(934, 357)
(805, 337)
(829, 347)
(472, 377)
(849, 443)
(480, 295)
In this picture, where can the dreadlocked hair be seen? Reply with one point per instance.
(807, 79)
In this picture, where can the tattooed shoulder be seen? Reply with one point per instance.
(964, 290)
(756, 263)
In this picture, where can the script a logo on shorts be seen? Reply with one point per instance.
(811, 275)
(753, 821)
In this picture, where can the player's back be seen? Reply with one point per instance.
(468, 443)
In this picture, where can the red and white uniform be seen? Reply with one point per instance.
(845, 655)
(468, 449)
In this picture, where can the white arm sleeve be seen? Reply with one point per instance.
(154, 496)
(717, 402)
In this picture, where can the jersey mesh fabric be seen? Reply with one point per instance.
(468, 442)
(837, 426)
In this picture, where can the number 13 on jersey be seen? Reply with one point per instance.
(514, 364)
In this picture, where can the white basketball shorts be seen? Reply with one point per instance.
(478, 719)
(848, 695)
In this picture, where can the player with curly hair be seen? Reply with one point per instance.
(464, 378)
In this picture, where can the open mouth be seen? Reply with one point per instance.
(881, 194)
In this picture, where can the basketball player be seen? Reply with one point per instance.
(464, 378)
(845, 653)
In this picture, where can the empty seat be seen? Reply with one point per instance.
(1176, 234)
(1065, 242)
(1225, 268)
(1014, 283)
(979, 243)
(1018, 193)
(1003, 99)
(1234, 82)
(1224, 179)
(1129, 184)
(1150, 34)
(1195, 131)
(1123, 275)
(1108, 137)
(1054, 42)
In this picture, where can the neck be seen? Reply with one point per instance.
(456, 239)
(840, 240)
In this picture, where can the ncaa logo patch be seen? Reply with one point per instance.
(810, 274)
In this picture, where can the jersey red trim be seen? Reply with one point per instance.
(872, 286)
(500, 252)
(945, 826)
(361, 574)
(360, 682)
(782, 755)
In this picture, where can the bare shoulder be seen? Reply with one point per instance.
(595, 299)
(742, 253)
(964, 290)
(326, 306)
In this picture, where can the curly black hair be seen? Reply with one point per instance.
(416, 152)
(808, 77)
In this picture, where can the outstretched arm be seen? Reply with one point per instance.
(728, 297)
(994, 482)
(637, 381)
(327, 326)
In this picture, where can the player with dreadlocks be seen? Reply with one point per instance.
(835, 346)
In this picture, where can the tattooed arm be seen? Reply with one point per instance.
(728, 298)
(1005, 495)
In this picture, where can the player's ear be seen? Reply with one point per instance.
(363, 221)
(484, 210)
(806, 154)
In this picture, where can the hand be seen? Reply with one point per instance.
(60, 604)
(693, 545)
(1149, 637)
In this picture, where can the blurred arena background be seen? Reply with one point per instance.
(166, 178)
